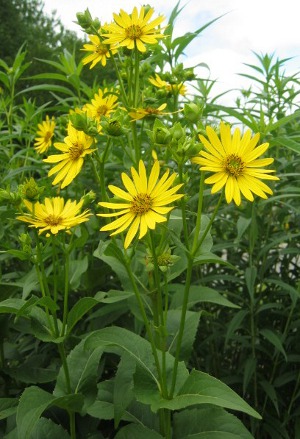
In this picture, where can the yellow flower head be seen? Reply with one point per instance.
(140, 113)
(234, 161)
(170, 88)
(75, 147)
(134, 30)
(54, 214)
(45, 132)
(144, 203)
(103, 104)
(100, 51)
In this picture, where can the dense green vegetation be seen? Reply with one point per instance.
(191, 331)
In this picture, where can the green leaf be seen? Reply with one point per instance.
(271, 393)
(250, 277)
(189, 334)
(11, 305)
(8, 406)
(111, 254)
(34, 401)
(123, 393)
(77, 268)
(113, 296)
(208, 422)
(275, 340)
(242, 225)
(235, 324)
(48, 87)
(122, 339)
(84, 305)
(198, 294)
(134, 431)
(249, 369)
(201, 388)
(83, 370)
(47, 429)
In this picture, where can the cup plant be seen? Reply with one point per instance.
(117, 221)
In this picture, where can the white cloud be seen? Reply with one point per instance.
(262, 26)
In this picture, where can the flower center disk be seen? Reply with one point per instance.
(75, 151)
(141, 204)
(234, 165)
(133, 32)
(53, 220)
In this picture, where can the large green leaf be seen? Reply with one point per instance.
(120, 340)
(123, 387)
(189, 334)
(134, 431)
(34, 401)
(83, 370)
(47, 429)
(8, 406)
(84, 305)
(112, 255)
(208, 422)
(198, 294)
(201, 388)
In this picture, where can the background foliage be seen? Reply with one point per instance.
(244, 327)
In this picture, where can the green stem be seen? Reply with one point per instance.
(183, 208)
(63, 358)
(42, 278)
(162, 322)
(66, 291)
(146, 323)
(199, 213)
(182, 323)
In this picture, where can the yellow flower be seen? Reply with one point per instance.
(45, 132)
(234, 161)
(54, 214)
(103, 104)
(140, 113)
(100, 51)
(134, 30)
(170, 88)
(144, 203)
(75, 147)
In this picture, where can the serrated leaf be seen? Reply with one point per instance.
(198, 294)
(47, 429)
(201, 388)
(189, 334)
(208, 422)
(34, 401)
(77, 268)
(134, 431)
(122, 339)
(83, 371)
(8, 406)
(123, 394)
(84, 305)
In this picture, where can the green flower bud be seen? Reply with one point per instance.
(160, 134)
(30, 190)
(88, 198)
(192, 112)
(84, 19)
(112, 128)
(177, 132)
(81, 122)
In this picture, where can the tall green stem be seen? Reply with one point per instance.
(66, 291)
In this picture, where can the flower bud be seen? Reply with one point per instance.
(177, 132)
(192, 112)
(30, 190)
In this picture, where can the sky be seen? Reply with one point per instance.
(244, 27)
